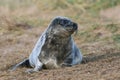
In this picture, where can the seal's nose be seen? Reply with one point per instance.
(75, 26)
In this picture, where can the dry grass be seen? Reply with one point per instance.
(33, 13)
(22, 22)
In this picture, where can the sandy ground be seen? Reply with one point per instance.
(103, 60)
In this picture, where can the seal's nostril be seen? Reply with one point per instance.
(75, 27)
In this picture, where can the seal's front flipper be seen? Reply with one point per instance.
(21, 64)
(38, 67)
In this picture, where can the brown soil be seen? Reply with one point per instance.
(103, 59)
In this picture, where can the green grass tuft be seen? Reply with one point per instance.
(116, 38)
(112, 27)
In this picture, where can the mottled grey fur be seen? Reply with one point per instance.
(55, 48)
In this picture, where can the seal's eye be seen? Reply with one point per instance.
(63, 22)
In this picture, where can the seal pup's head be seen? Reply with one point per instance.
(62, 27)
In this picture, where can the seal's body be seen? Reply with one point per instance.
(55, 48)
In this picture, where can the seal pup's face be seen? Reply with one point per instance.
(63, 27)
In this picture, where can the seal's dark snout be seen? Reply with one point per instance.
(75, 26)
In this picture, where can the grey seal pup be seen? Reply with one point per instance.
(55, 47)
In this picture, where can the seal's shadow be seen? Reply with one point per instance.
(94, 57)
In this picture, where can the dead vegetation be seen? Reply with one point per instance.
(98, 37)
